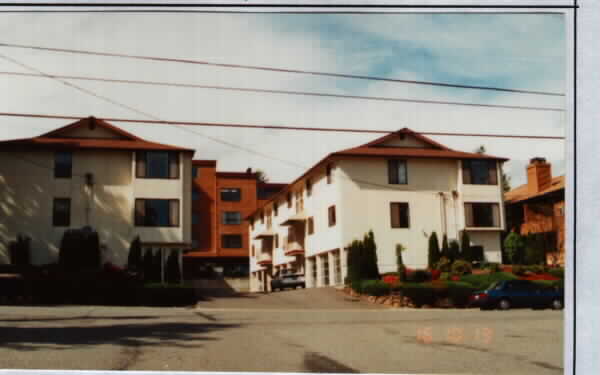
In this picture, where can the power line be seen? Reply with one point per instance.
(274, 127)
(278, 70)
(285, 92)
(155, 119)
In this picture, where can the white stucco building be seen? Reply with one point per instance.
(91, 173)
(403, 186)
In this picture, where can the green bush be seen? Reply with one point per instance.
(356, 285)
(494, 267)
(481, 282)
(420, 293)
(20, 251)
(461, 267)
(514, 245)
(375, 288)
(433, 251)
(79, 249)
(535, 249)
(445, 250)
(465, 247)
(443, 265)
(557, 272)
(519, 270)
(134, 260)
(362, 259)
(445, 276)
(419, 276)
(454, 251)
(459, 293)
(172, 268)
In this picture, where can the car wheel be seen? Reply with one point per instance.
(557, 304)
(504, 304)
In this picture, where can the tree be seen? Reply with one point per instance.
(465, 246)
(434, 250)
(172, 268)
(147, 264)
(454, 251)
(514, 245)
(400, 262)
(370, 257)
(353, 262)
(505, 183)
(261, 176)
(134, 260)
(445, 251)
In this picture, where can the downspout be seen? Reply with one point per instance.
(443, 212)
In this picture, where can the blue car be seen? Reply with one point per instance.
(518, 293)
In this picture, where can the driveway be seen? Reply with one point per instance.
(314, 330)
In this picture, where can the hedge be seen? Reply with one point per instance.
(481, 282)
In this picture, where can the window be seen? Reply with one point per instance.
(195, 171)
(480, 172)
(277, 241)
(311, 225)
(195, 195)
(325, 264)
(482, 215)
(63, 164)
(308, 188)
(399, 215)
(289, 200)
(61, 213)
(231, 218)
(195, 218)
(328, 173)
(231, 241)
(331, 213)
(157, 164)
(231, 194)
(397, 173)
(337, 267)
(157, 212)
(253, 250)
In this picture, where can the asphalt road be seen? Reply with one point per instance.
(317, 330)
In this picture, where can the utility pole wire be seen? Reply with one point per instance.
(286, 92)
(275, 127)
(278, 70)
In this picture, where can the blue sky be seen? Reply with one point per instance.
(525, 51)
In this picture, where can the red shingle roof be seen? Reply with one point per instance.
(54, 140)
(522, 193)
(375, 149)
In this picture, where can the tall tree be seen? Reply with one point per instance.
(134, 260)
(465, 246)
(445, 252)
(434, 250)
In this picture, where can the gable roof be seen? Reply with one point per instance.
(371, 149)
(56, 139)
(522, 193)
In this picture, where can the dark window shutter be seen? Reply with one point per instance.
(395, 214)
(140, 165)
(493, 173)
(173, 165)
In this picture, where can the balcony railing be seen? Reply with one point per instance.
(264, 259)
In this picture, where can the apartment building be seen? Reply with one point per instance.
(91, 173)
(220, 202)
(403, 186)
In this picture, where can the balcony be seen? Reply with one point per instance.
(294, 243)
(264, 259)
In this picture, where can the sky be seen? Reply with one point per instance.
(522, 51)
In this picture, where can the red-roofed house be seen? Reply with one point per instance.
(403, 186)
(538, 206)
(91, 173)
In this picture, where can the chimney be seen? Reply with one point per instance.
(539, 175)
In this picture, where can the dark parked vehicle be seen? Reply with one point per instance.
(518, 293)
(287, 280)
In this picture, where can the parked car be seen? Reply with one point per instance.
(287, 280)
(518, 293)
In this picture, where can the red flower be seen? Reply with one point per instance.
(455, 278)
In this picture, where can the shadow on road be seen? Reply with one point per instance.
(130, 317)
(314, 362)
(134, 335)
